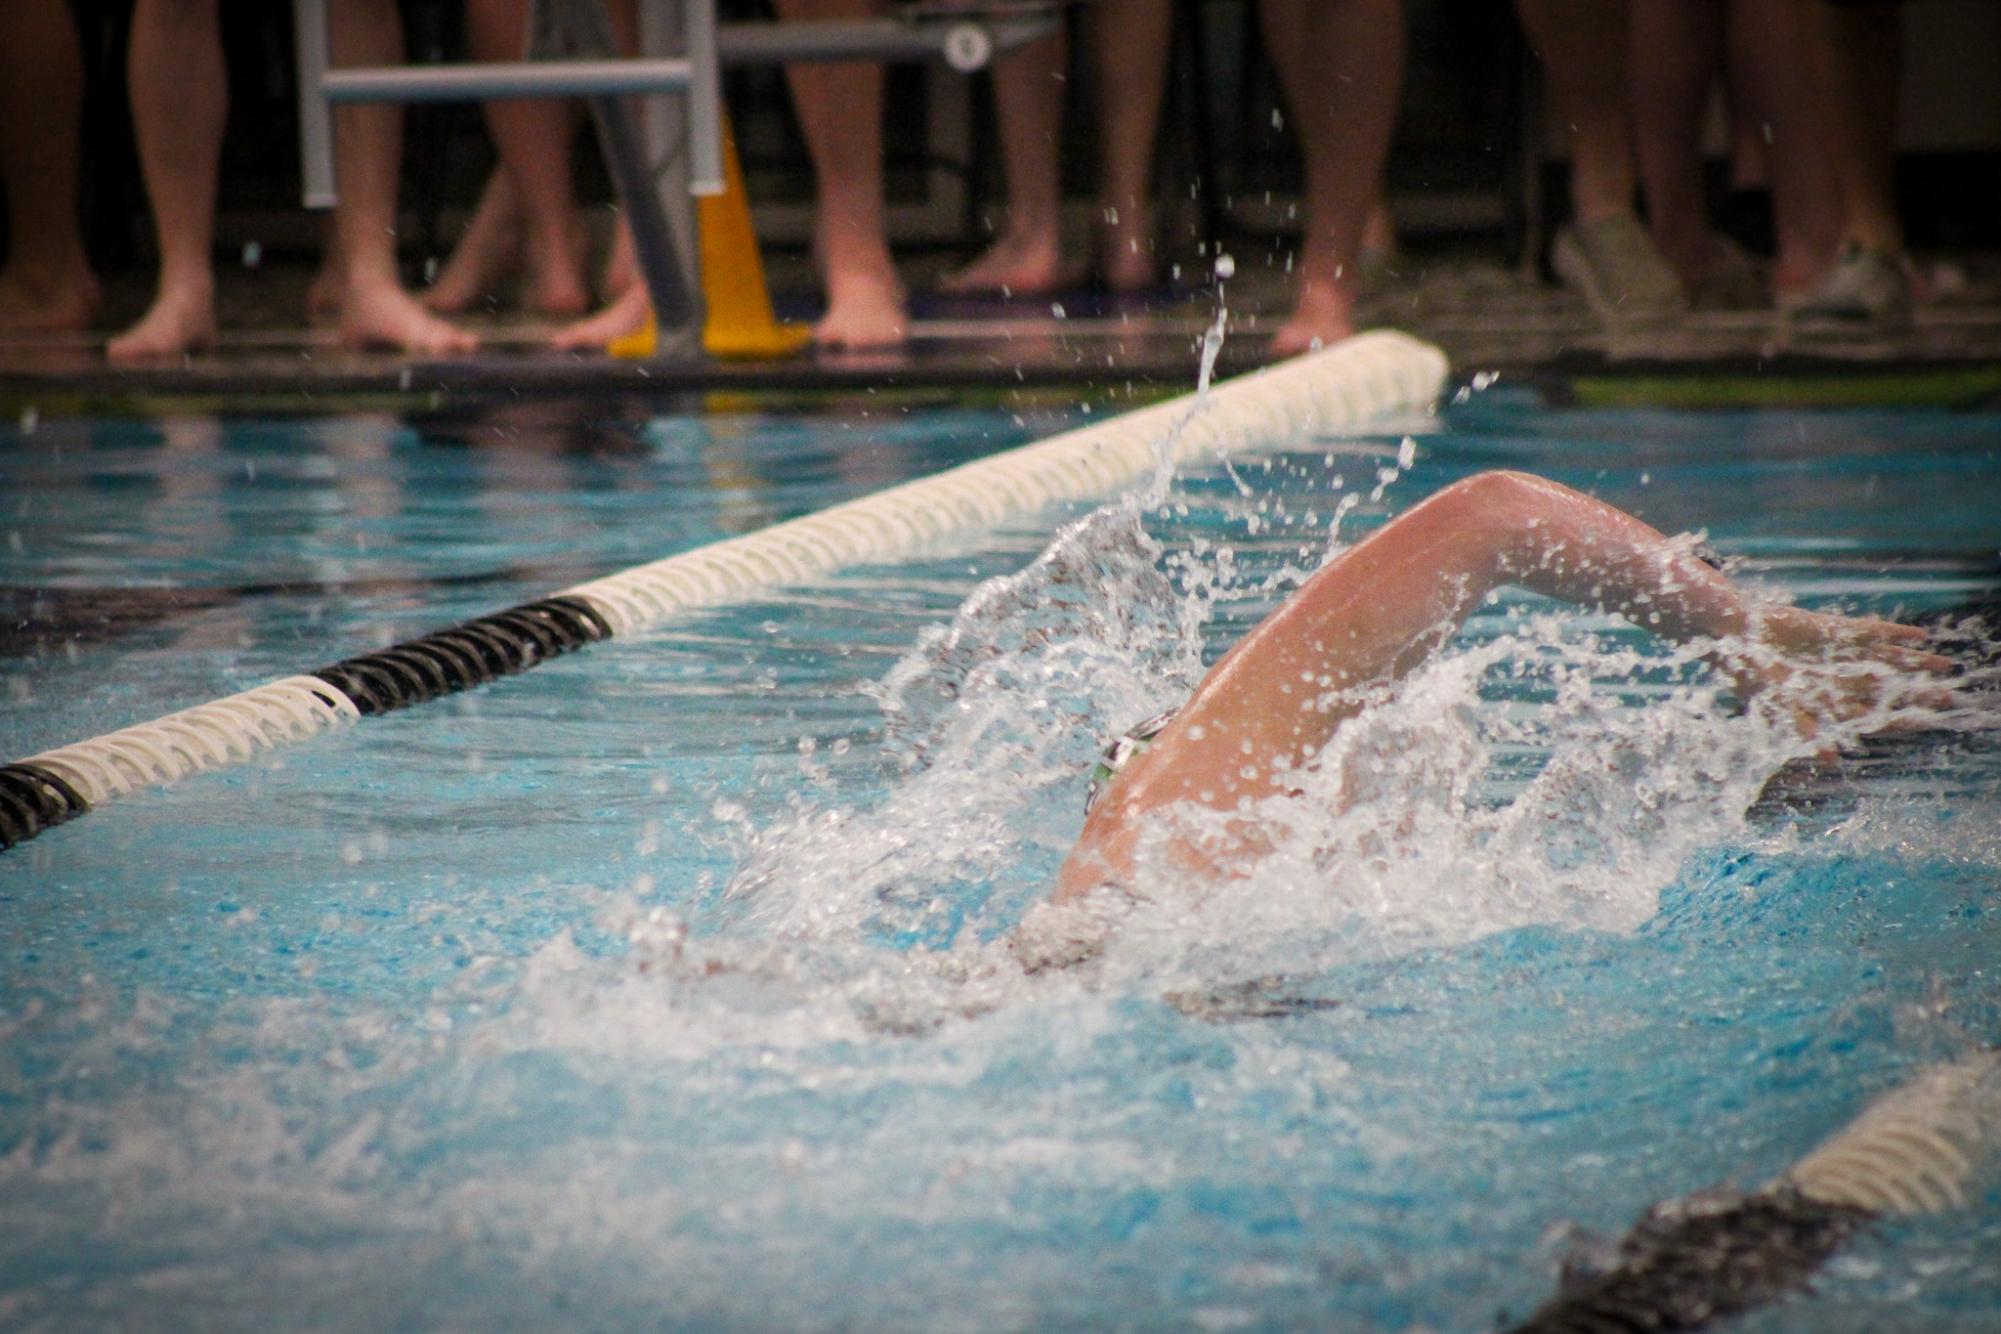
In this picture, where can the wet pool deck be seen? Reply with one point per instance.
(1486, 315)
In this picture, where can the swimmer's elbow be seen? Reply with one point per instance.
(1500, 492)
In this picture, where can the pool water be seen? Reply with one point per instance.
(670, 984)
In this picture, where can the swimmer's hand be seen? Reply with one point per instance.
(1827, 668)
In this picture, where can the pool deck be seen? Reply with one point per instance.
(1484, 314)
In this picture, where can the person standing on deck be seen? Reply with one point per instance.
(179, 104)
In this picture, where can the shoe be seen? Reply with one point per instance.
(1615, 266)
(1866, 294)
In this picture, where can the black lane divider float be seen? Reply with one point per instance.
(1922, 1148)
(469, 654)
(34, 798)
(1694, 1261)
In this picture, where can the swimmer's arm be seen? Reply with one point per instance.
(1380, 608)
(1587, 552)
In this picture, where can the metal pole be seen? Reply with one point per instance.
(652, 234)
(891, 39)
(527, 78)
(705, 96)
(316, 165)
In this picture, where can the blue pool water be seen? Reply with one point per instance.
(667, 985)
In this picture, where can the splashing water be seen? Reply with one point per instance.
(1450, 809)
(986, 723)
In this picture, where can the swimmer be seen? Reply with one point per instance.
(1379, 609)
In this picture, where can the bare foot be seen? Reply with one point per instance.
(1015, 266)
(864, 310)
(381, 314)
(45, 303)
(1125, 249)
(1322, 318)
(182, 320)
(627, 314)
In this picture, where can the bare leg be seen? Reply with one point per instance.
(46, 284)
(1028, 255)
(1384, 605)
(621, 264)
(1604, 254)
(486, 250)
(840, 113)
(1783, 97)
(1683, 41)
(1340, 63)
(534, 140)
(368, 147)
(323, 294)
(1861, 51)
(1379, 229)
(1129, 50)
(179, 104)
(628, 303)
(1582, 44)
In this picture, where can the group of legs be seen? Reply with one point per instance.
(1339, 65)
(1811, 86)
(527, 215)
(1812, 89)
(1811, 83)
(1338, 62)
(179, 93)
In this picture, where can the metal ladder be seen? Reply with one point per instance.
(661, 161)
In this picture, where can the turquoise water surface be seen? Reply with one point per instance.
(669, 985)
